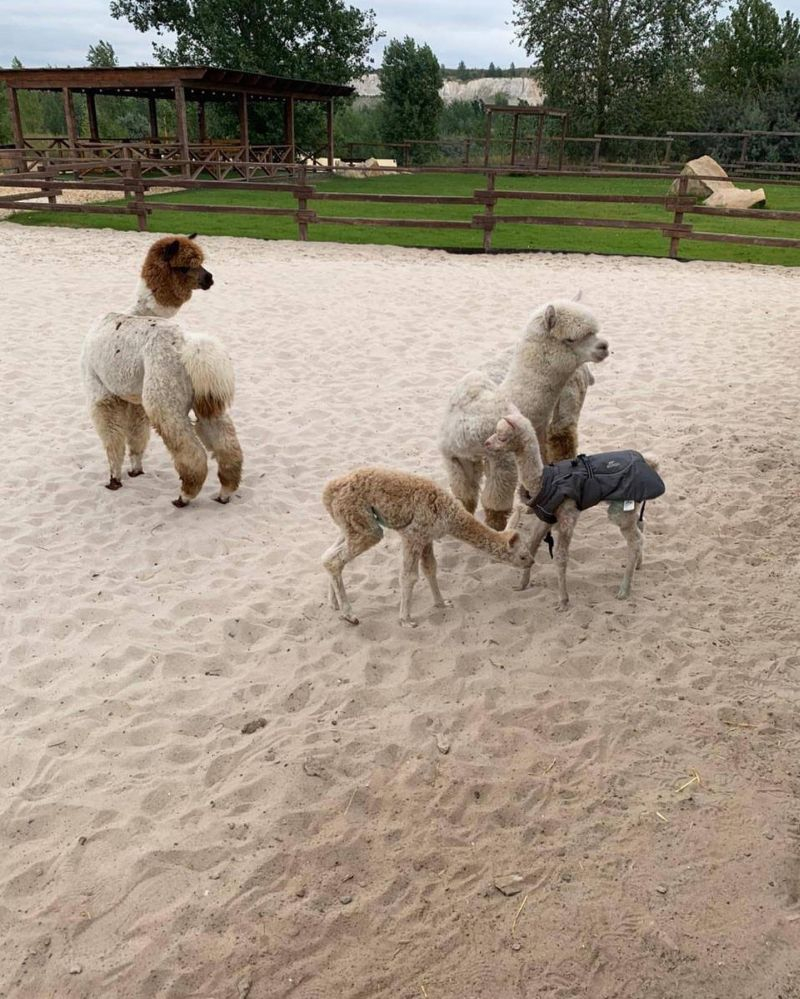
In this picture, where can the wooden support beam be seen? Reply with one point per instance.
(561, 145)
(244, 128)
(487, 138)
(91, 107)
(330, 134)
(181, 126)
(16, 126)
(514, 140)
(539, 133)
(151, 106)
(69, 115)
(288, 126)
(201, 122)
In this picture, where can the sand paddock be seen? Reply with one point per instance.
(149, 848)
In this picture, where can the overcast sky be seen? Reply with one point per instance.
(59, 32)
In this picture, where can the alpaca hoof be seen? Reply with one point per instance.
(443, 604)
(623, 594)
(408, 622)
(134, 472)
(222, 499)
(564, 605)
(180, 502)
(350, 618)
(114, 483)
(519, 587)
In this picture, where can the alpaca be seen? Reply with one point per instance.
(140, 370)
(367, 500)
(542, 492)
(558, 339)
(562, 430)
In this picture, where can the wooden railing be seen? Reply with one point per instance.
(134, 185)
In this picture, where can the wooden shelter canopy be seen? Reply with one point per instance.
(199, 83)
(518, 111)
(525, 109)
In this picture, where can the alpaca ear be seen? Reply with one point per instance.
(193, 235)
(513, 541)
(171, 249)
(549, 318)
(575, 298)
(510, 420)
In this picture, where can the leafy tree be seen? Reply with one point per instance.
(410, 81)
(325, 40)
(492, 70)
(102, 55)
(749, 49)
(461, 72)
(597, 57)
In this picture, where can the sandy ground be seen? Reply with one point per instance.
(150, 848)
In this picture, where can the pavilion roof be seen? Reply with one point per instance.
(199, 82)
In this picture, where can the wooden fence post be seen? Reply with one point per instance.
(466, 152)
(302, 205)
(488, 221)
(135, 175)
(674, 241)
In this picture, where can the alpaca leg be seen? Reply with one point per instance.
(408, 577)
(497, 497)
(635, 541)
(108, 416)
(336, 558)
(219, 436)
(429, 568)
(188, 454)
(640, 529)
(137, 433)
(567, 519)
(465, 480)
(562, 443)
(539, 534)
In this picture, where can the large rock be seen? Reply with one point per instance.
(736, 197)
(718, 193)
(704, 166)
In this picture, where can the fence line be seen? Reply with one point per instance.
(133, 186)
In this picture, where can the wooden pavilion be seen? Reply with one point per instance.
(181, 84)
(522, 111)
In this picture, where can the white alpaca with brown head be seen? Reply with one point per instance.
(140, 370)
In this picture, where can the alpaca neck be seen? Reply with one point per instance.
(529, 464)
(465, 527)
(538, 373)
(147, 305)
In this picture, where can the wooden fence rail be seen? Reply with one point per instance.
(133, 186)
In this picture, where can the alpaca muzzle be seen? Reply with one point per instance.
(206, 280)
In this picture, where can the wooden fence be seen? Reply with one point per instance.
(133, 186)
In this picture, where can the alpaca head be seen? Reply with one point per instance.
(517, 550)
(513, 432)
(570, 328)
(173, 269)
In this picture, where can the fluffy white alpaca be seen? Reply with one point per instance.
(141, 370)
(558, 339)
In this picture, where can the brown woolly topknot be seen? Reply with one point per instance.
(172, 269)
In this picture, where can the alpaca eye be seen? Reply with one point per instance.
(183, 270)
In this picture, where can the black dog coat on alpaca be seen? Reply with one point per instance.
(592, 479)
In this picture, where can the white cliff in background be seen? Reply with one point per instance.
(516, 89)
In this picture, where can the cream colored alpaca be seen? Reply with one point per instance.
(515, 435)
(562, 431)
(140, 370)
(367, 500)
(559, 338)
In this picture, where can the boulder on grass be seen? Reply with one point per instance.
(737, 197)
(703, 166)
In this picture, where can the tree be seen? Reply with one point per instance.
(326, 40)
(461, 72)
(102, 55)
(598, 56)
(410, 81)
(492, 70)
(749, 49)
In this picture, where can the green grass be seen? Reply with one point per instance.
(578, 239)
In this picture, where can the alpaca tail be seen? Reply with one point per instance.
(211, 374)
(651, 460)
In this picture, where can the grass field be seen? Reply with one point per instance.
(506, 236)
